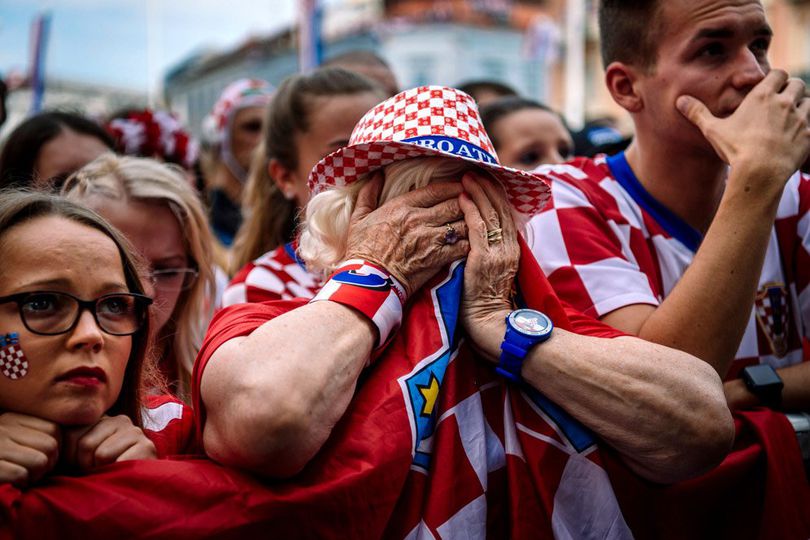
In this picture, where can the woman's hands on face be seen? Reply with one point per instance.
(110, 440)
(406, 235)
(491, 267)
(29, 448)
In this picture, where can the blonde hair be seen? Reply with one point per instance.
(325, 228)
(140, 179)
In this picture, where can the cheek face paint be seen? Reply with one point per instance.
(13, 362)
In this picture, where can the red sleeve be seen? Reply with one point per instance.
(169, 424)
(586, 325)
(231, 322)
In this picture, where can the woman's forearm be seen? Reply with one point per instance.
(663, 410)
(273, 397)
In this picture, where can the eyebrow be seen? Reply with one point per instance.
(179, 258)
(64, 283)
(726, 32)
(339, 142)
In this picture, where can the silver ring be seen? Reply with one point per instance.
(450, 235)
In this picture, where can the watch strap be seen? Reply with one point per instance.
(764, 382)
(511, 360)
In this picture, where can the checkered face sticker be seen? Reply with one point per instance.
(13, 363)
(422, 122)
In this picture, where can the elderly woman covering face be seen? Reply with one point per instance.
(435, 383)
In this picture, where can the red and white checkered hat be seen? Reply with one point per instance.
(421, 122)
(238, 95)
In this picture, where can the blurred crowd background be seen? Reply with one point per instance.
(99, 57)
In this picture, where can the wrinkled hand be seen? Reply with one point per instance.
(768, 135)
(111, 439)
(491, 267)
(406, 235)
(29, 448)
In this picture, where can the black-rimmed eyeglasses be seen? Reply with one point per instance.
(50, 313)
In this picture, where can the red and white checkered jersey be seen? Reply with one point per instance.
(605, 243)
(276, 275)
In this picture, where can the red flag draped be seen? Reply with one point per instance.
(434, 444)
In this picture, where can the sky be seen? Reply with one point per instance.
(131, 43)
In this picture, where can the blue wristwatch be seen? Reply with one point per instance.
(525, 328)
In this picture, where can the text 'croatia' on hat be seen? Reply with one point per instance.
(421, 122)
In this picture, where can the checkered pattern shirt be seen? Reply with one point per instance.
(276, 275)
(604, 248)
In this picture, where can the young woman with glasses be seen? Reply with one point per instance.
(74, 327)
(161, 215)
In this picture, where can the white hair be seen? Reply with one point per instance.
(325, 227)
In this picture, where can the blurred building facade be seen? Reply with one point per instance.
(93, 100)
(521, 43)
(426, 42)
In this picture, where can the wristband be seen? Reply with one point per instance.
(369, 289)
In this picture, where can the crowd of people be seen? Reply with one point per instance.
(357, 311)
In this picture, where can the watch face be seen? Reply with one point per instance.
(530, 322)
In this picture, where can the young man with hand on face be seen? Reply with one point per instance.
(698, 236)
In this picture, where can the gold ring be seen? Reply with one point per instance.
(450, 235)
(495, 235)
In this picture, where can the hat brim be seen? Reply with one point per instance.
(527, 192)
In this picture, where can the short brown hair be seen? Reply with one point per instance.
(626, 29)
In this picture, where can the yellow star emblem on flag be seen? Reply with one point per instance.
(431, 393)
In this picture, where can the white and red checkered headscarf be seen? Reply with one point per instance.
(420, 122)
(236, 96)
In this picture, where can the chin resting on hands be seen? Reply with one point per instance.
(110, 440)
(29, 448)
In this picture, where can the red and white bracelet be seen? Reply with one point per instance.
(369, 289)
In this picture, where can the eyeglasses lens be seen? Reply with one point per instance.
(49, 312)
(118, 314)
(174, 279)
(52, 313)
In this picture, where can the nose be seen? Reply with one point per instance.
(749, 70)
(552, 157)
(86, 334)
